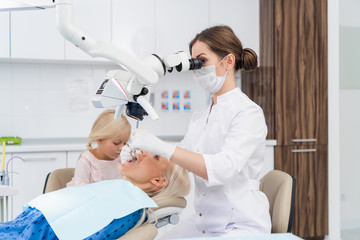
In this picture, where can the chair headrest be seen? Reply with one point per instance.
(171, 202)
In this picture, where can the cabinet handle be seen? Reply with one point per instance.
(304, 140)
(40, 159)
(303, 150)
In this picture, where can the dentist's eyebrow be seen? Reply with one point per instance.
(200, 55)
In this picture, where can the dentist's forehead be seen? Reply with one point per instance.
(200, 48)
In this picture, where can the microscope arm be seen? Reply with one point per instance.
(69, 31)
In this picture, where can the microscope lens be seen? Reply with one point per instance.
(195, 63)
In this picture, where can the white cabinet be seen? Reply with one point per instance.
(4, 35)
(34, 35)
(242, 16)
(177, 23)
(29, 176)
(93, 17)
(134, 26)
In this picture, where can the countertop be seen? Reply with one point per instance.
(73, 144)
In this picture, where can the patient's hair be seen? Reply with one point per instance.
(106, 126)
(179, 184)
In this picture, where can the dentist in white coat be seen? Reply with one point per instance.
(224, 146)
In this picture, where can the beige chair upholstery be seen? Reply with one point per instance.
(166, 213)
(58, 179)
(279, 187)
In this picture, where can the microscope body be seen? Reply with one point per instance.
(123, 89)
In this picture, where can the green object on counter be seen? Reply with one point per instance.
(11, 140)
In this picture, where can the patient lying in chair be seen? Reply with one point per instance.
(102, 210)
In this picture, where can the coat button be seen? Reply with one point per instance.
(203, 231)
(200, 214)
(203, 193)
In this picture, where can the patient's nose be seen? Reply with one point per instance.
(140, 154)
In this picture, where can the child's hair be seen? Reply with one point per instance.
(106, 126)
(179, 184)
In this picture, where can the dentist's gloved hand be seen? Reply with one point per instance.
(144, 140)
(126, 154)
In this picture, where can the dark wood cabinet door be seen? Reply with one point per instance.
(301, 71)
(308, 165)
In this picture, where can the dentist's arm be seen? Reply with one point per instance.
(193, 162)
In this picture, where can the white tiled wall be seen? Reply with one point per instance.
(36, 99)
(51, 100)
(54, 100)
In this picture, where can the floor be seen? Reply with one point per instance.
(350, 234)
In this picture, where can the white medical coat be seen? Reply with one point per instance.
(232, 141)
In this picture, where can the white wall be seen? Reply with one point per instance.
(333, 120)
(349, 113)
(349, 158)
(47, 100)
(51, 99)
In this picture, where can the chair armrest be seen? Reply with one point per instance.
(146, 231)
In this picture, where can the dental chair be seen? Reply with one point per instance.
(279, 188)
(167, 212)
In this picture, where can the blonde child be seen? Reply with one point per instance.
(101, 163)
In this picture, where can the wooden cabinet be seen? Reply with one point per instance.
(308, 165)
(300, 71)
(291, 87)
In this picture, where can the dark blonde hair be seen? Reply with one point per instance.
(223, 41)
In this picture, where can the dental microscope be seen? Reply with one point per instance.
(129, 87)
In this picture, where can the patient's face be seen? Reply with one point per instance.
(146, 167)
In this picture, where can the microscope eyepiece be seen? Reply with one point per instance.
(195, 63)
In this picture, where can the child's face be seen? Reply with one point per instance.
(146, 168)
(110, 148)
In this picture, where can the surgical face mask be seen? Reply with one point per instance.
(206, 77)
